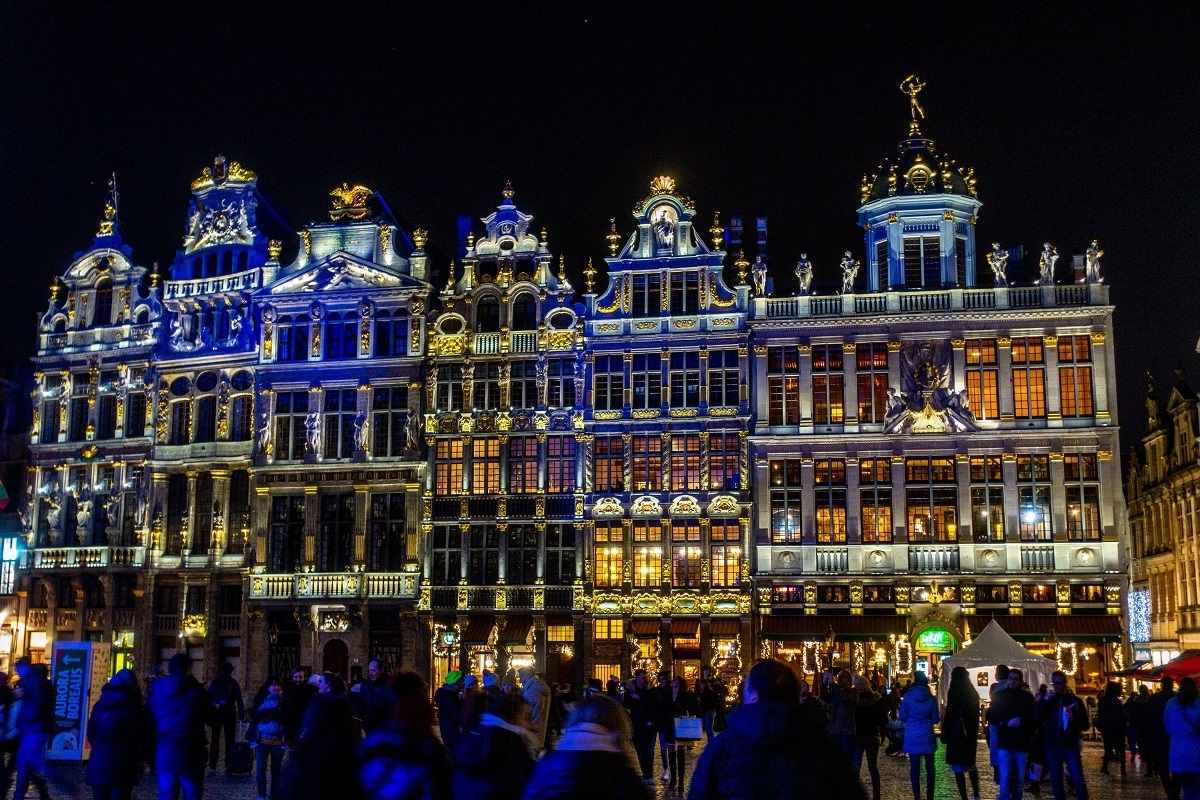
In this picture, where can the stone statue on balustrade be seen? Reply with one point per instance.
(1046, 264)
(759, 271)
(804, 274)
(1092, 258)
(849, 273)
(998, 261)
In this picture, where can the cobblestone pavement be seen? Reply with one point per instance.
(894, 772)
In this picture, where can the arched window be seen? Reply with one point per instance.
(103, 313)
(142, 316)
(241, 262)
(487, 316)
(524, 313)
(226, 263)
(60, 325)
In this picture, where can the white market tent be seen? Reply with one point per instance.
(992, 647)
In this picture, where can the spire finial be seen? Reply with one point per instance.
(716, 231)
(614, 238)
(450, 279)
(912, 86)
(589, 276)
(562, 268)
(508, 190)
(112, 204)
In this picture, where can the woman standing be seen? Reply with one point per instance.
(675, 702)
(960, 731)
(271, 724)
(1111, 721)
(116, 730)
(919, 713)
(870, 715)
(1182, 721)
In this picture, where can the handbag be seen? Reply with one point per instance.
(688, 728)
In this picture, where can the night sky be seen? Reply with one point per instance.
(1079, 125)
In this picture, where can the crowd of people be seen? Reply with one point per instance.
(515, 737)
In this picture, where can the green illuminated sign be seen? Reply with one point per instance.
(935, 640)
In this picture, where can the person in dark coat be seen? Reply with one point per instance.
(403, 760)
(228, 708)
(449, 702)
(116, 730)
(870, 715)
(641, 702)
(1062, 718)
(298, 694)
(494, 759)
(178, 709)
(1011, 712)
(674, 701)
(767, 753)
(960, 731)
(919, 713)
(1112, 720)
(592, 760)
(706, 699)
(321, 765)
(1155, 740)
(375, 697)
(31, 725)
(271, 725)
(1136, 710)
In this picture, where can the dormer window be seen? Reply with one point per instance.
(487, 317)
(104, 295)
(922, 262)
(524, 313)
(685, 294)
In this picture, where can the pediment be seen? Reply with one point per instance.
(341, 271)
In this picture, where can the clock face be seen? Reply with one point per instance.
(506, 227)
(448, 638)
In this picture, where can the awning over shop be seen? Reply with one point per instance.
(845, 627)
(1074, 628)
(725, 627)
(1187, 663)
(646, 627)
(516, 631)
(685, 628)
(479, 629)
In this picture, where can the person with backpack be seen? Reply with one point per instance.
(116, 730)
(270, 725)
(227, 710)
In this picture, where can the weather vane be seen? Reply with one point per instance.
(912, 86)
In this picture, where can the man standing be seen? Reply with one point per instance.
(640, 702)
(1012, 712)
(537, 694)
(178, 708)
(449, 702)
(1062, 718)
(1155, 741)
(227, 710)
(376, 697)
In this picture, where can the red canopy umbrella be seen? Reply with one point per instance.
(1183, 665)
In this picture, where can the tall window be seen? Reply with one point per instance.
(829, 480)
(987, 499)
(287, 533)
(983, 377)
(206, 419)
(389, 417)
(135, 406)
(610, 554)
(647, 553)
(724, 382)
(647, 463)
(932, 495)
(388, 532)
(486, 385)
(881, 264)
(524, 313)
(293, 338)
(1083, 497)
(485, 466)
(78, 419)
(647, 381)
(177, 511)
(786, 506)
(50, 412)
(341, 408)
(448, 467)
(685, 379)
(560, 463)
(341, 336)
(241, 413)
(522, 556)
(827, 380)
(483, 554)
(783, 385)
(202, 514)
(487, 315)
(237, 517)
(724, 456)
(726, 553)
(960, 260)
(522, 384)
(609, 377)
(181, 422)
(560, 554)
(560, 383)
(449, 387)
(922, 264)
(685, 293)
(685, 462)
(875, 492)
(1075, 376)
(522, 464)
(102, 315)
(337, 532)
(447, 554)
(391, 333)
(647, 296)
(686, 554)
(1029, 377)
(609, 461)
(872, 375)
(1033, 497)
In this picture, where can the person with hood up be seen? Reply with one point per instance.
(449, 702)
(537, 695)
(960, 731)
(403, 760)
(842, 701)
(919, 713)
(1182, 723)
(178, 710)
(870, 715)
(32, 728)
(770, 752)
(271, 725)
(115, 730)
(494, 759)
(594, 759)
(1156, 742)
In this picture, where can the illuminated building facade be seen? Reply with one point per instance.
(934, 447)
(1164, 528)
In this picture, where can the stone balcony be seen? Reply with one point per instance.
(981, 558)
(85, 557)
(334, 586)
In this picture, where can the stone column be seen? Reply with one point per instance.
(853, 503)
(1058, 497)
(966, 527)
(808, 501)
(362, 510)
(761, 407)
(502, 527)
(189, 524)
(806, 404)
(158, 512)
(226, 529)
(1102, 386)
(850, 386)
(959, 362)
(261, 525)
(1004, 368)
(899, 500)
(1012, 520)
(312, 526)
(1053, 389)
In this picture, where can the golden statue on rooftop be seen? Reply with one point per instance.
(912, 86)
(350, 201)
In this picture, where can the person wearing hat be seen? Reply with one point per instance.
(178, 709)
(448, 700)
